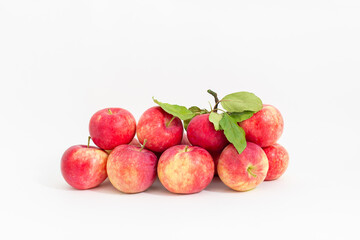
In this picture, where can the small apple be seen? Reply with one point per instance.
(243, 172)
(185, 169)
(131, 169)
(201, 132)
(161, 129)
(265, 127)
(84, 167)
(278, 161)
(112, 127)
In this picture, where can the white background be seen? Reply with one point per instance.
(61, 61)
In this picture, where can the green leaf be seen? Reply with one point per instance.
(178, 111)
(186, 123)
(196, 111)
(215, 119)
(241, 101)
(239, 117)
(233, 132)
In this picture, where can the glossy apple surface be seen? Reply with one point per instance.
(278, 161)
(84, 167)
(201, 132)
(265, 127)
(185, 169)
(131, 169)
(112, 127)
(243, 172)
(160, 130)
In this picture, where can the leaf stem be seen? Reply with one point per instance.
(168, 123)
(109, 111)
(214, 94)
(142, 147)
(219, 109)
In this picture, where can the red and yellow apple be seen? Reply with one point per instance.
(112, 127)
(201, 132)
(243, 172)
(160, 129)
(278, 161)
(131, 169)
(265, 127)
(185, 169)
(84, 167)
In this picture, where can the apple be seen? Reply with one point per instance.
(278, 161)
(112, 127)
(243, 172)
(161, 129)
(131, 169)
(185, 169)
(201, 132)
(265, 127)
(84, 167)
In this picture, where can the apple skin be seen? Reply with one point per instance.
(133, 142)
(243, 172)
(278, 161)
(201, 132)
(131, 169)
(108, 130)
(152, 127)
(84, 167)
(185, 169)
(265, 127)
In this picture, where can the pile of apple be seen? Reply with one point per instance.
(238, 142)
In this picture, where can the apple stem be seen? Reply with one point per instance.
(109, 111)
(186, 148)
(142, 147)
(217, 101)
(88, 142)
(249, 170)
(219, 109)
(168, 124)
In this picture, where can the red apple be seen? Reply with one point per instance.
(201, 132)
(265, 127)
(84, 167)
(131, 169)
(243, 172)
(185, 169)
(160, 129)
(278, 161)
(112, 127)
